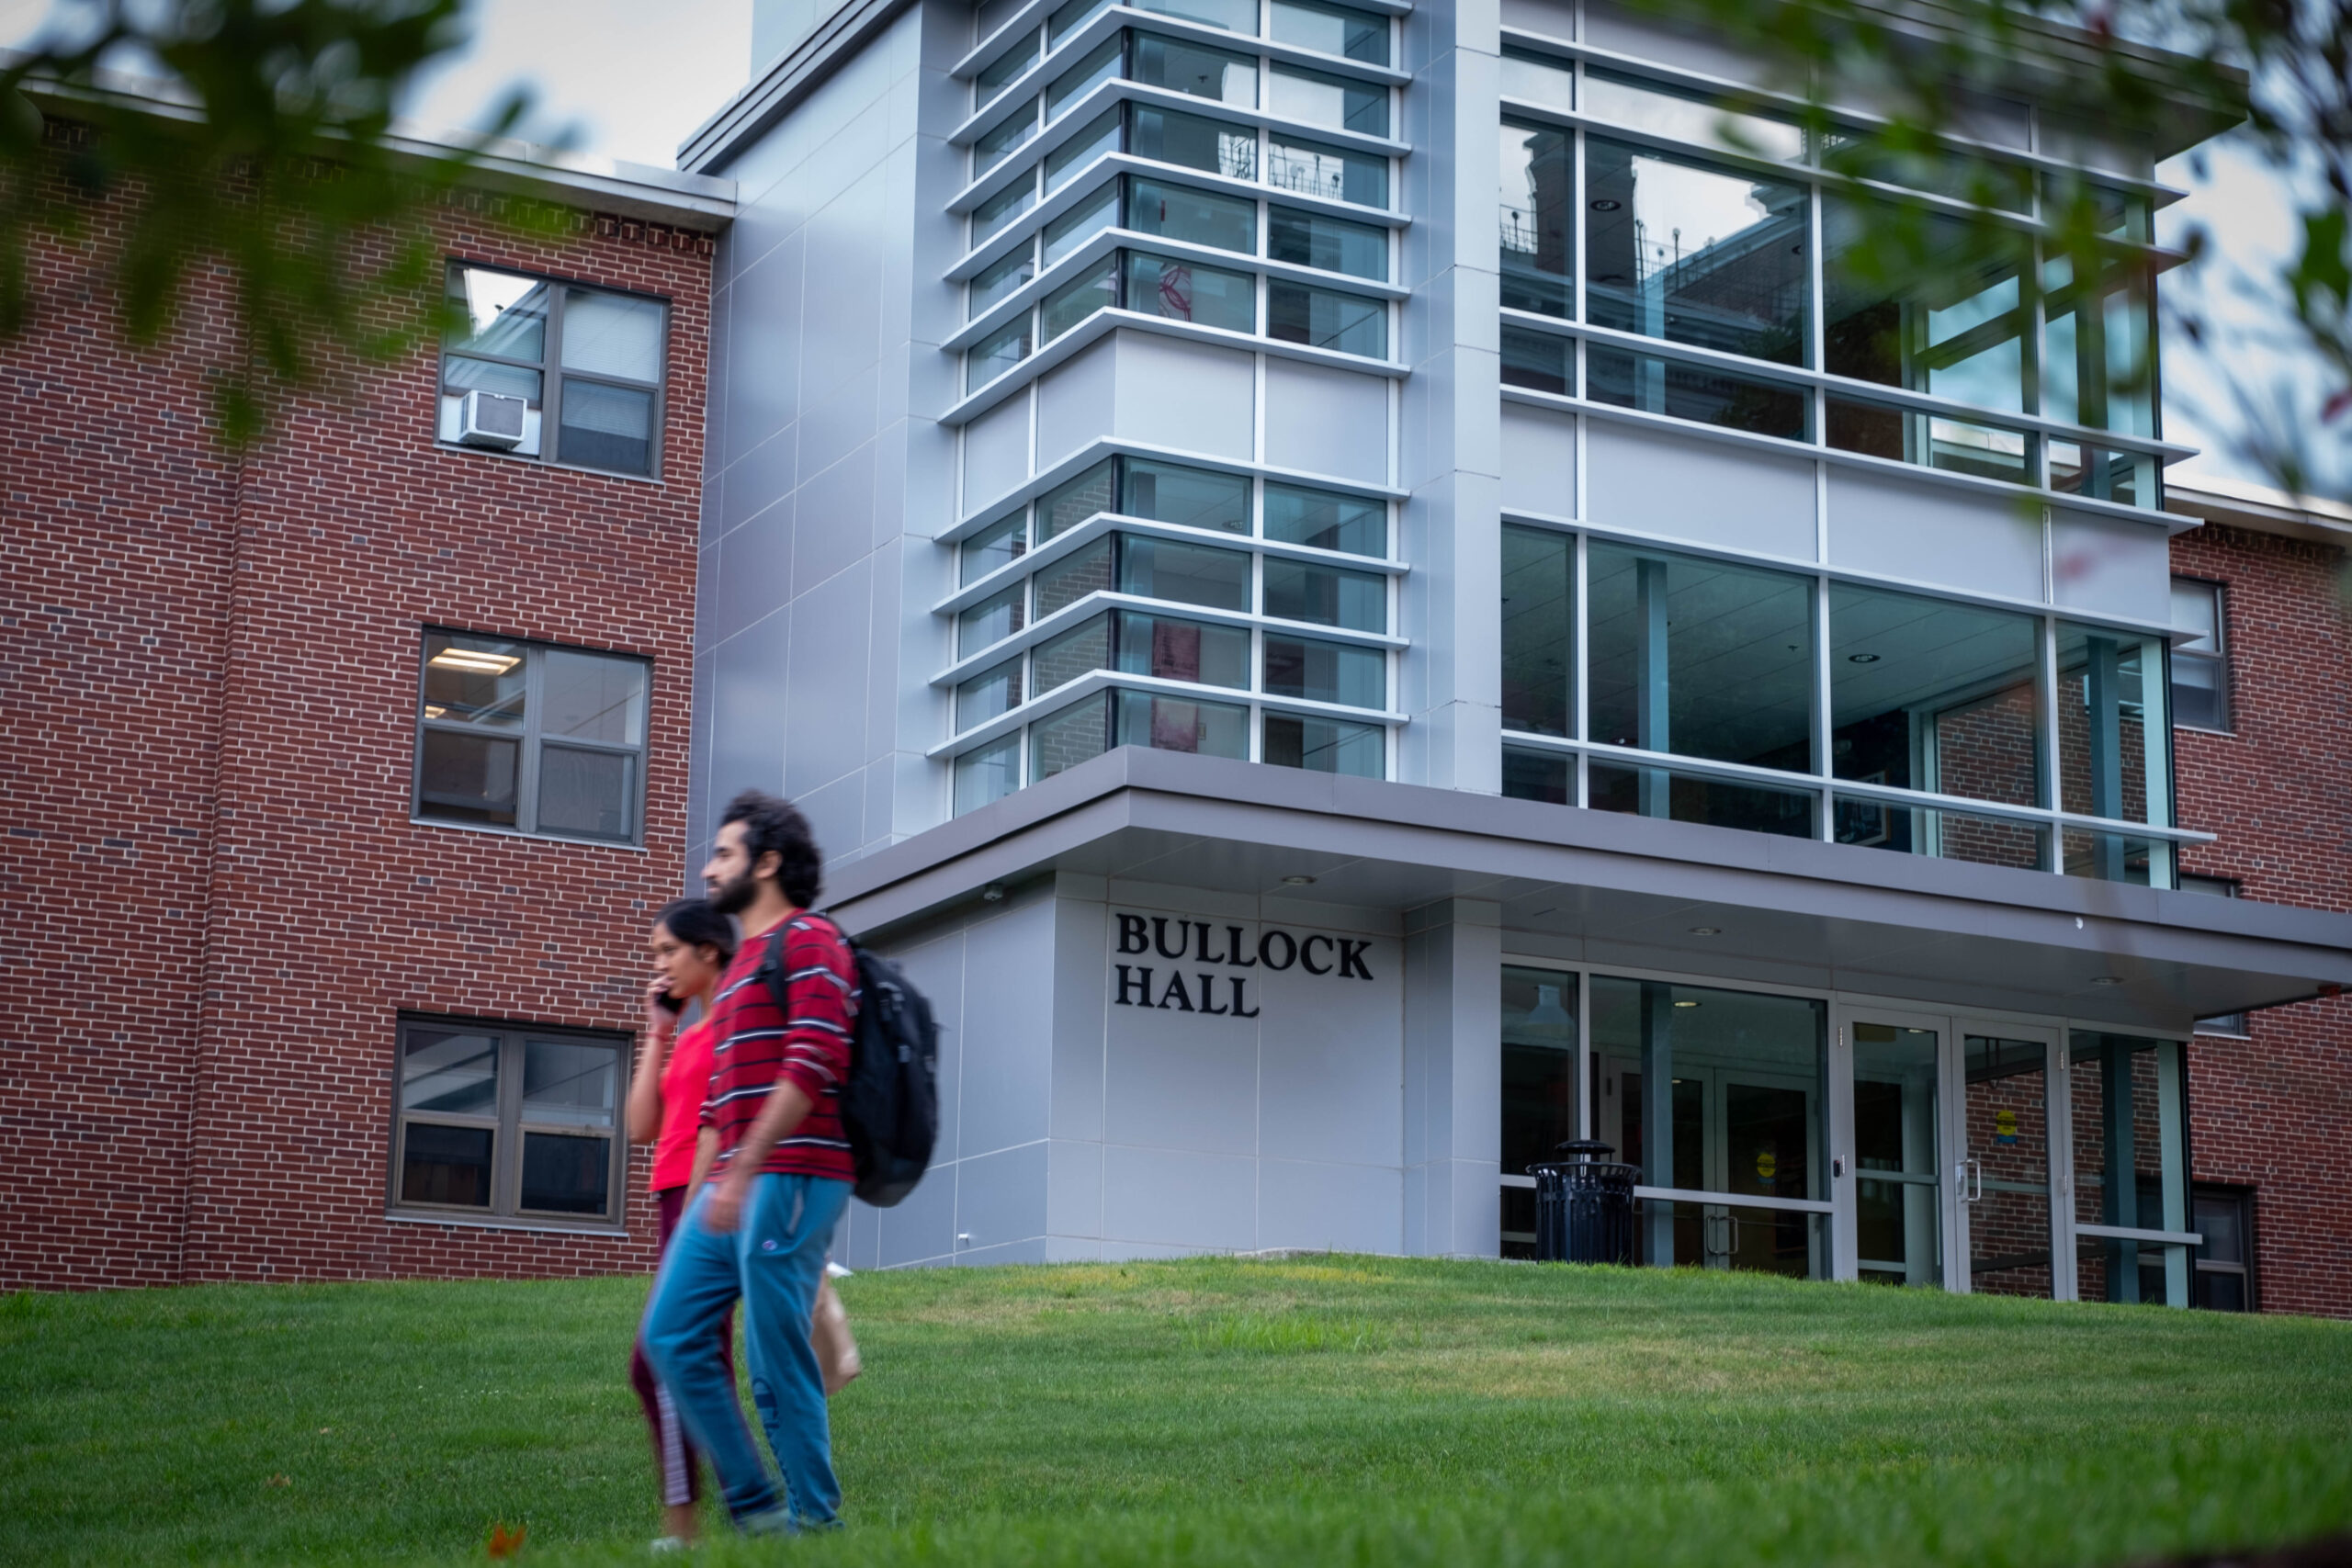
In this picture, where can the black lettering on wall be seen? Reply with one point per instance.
(1138, 981)
(1238, 1010)
(1235, 957)
(1266, 950)
(1351, 959)
(1131, 938)
(1176, 994)
(1159, 937)
(1208, 997)
(1307, 955)
(1201, 949)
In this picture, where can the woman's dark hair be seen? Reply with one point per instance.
(773, 823)
(696, 923)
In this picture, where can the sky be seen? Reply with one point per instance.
(631, 80)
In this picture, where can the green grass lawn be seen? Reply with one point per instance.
(1291, 1414)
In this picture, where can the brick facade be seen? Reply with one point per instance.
(223, 906)
(2275, 1113)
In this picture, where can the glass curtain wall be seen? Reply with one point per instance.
(2129, 1100)
(1538, 1078)
(1897, 1155)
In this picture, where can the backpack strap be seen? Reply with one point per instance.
(771, 964)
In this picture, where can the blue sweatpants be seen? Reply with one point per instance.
(772, 1263)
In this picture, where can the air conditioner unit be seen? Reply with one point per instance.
(491, 419)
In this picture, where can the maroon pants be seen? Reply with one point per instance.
(674, 1453)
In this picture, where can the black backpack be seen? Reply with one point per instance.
(890, 1108)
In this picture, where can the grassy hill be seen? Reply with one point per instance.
(1292, 1414)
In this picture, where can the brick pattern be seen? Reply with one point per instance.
(208, 732)
(2274, 1113)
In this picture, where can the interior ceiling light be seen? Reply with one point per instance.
(2107, 980)
(1685, 1005)
(1862, 659)
(470, 659)
(1606, 204)
(1706, 930)
(1298, 882)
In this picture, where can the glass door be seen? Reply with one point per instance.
(1899, 1203)
(2004, 1163)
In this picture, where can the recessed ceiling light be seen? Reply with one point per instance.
(992, 894)
(1298, 882)
(470, 659)
(1606, 204)
(1862, 659)
(1686, 1004)
(2107, 979)
(1706, 930)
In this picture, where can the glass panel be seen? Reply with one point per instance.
(1211, 146)
(1964, 177)
(1743, 1116)
(1233, 16)
(1191, 574)
(1334, 102)
(1003, 209)
(2095, 367)
(991, 621)
(473, 680)
(2111, 741)
(1538, 775)
(1093, 290)
(1321, 671)
(1080, 650)
(1074, 500)
(1095, 213)
(2115, 857)
(1000, 72)
(1199, 498)
(1069, 738)
(460, 377)
(1073, 577)
(611, 334)
(1201, 217)
(999, 544)
(999, 281)
(450, 1071)
(1895, 1157)
(1539, 79)
(1064, 162)
(1679, 251)
(2198, 692)
(1333, 29)
(1683, 390)
(1196, 69)
(607, 427)
(468, 778)
(2127, 479)
(1934, 441)
(1183, 650)
(1180, 724)
(1326, 746)
(987, 694)
(1308, 239)
(1327, 522)
(1929, 694)
(1539, 630)
(1693, 797)
(2131, 1123)
(568, 1084)
(1646, 106)
(497, 312)
(1326, 596)
(1071, 18)
(2220, 1220)
(1311, 169)
(1539, 1066)
(1701, 658)
(589, 698)
(989, 773)
(585, 792)
(997, 353)
(1536, 215)
(997, 144)
(446, 1165)
(2008, 1139)
(1539, 362)
(1345, 324)
(1183, 291)
(1099, 66)
(564, 1175)
(1938, 311)
(1946, 835)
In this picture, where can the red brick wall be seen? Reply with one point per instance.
(219, 904)
(2275, 1113)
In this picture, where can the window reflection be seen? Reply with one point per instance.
(1934, 305)
(1536, 217)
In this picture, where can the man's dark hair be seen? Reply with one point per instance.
(771, 822)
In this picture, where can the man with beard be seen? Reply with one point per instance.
(780, 1174)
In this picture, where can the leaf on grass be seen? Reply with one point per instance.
(505, 1544)
(280, 1481)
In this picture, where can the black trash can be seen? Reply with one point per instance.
(1584, 1205)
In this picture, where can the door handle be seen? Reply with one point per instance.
(1976, 1186)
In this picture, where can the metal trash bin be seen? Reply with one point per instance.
(1584, 1205)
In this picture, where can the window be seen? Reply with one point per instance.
(2200, 671)
(509, 1122)
(530, 739)
(1332, 29)
(1536, 219)
(2231, 1023)
(586, 363)
(2224, 1275)
(2130, 1136)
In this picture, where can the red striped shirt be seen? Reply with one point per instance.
(755, 1045)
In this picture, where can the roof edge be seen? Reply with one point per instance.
(791, 78)
(2258, 509)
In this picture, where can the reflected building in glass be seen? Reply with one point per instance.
(1336, 688)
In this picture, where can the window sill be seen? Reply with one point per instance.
(415, 821)
(501, 1223)
(2201, 730)
(656, 480)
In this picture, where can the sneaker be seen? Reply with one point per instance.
(665, 1543)
(768, 1521)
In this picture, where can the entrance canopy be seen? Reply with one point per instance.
(1601, 888)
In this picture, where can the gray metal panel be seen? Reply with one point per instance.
(1073, 1188)
(1075, 404)
(754, 572)
(1707, 492)
(1330, 1208)
(1180, 1198)
(1000, 1199)
(1326, 421)
(996, 452)
(827, 734)
(1611, 27)
(747, 703)
(1553, 19)
(1539, 460)
(757, 480)
(1933, 534)
(2111, 567)
(834, 515)
(762, 392)
(1190, 395)
(1009, 1036)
